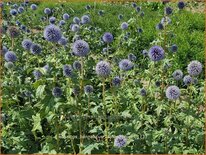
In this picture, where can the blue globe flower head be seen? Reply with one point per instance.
(10, 56)
(166, 20)
(88, 89)
(157, 83)
(33, 6)
(100, 12)
(20, 9)
(177, 75)
(77, 65)
(120, 16)
(168, 10)
(142, 14)
(103, 69)
(76, 20)
(23, 27)
(156, 53)
(174, 48)
(63, 41)
(85, 19)
(47, 11)
(18, 23)
(181, 5)
(108, 37)
(126, 65)
(139, 30)
(4, 50)
(173, 92)
(187, 80)
(104, 50)
(9, 65)
(52, 20)
(138, 9)
(52, 33)
(87, 7)
(145, 52)
(124, 26)
(116, 81)
(75, 28)
(67, 70)
(61, 22)
(35, 49)
(120, 141)
(143, 92)
(28, 31)
(13, 32)
(132, 57)
(66, 16)
(134, 5)
(37, 74)
(194, 68)
(57, 92)
(26, 44)
(160, 26)
(81, 48)
(13, 12)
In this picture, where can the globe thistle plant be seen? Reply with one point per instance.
(77, 65)
(67, 70)
(172, 92)
(181, 5)
(33, 6)
(120, 141)
(108, 37)
(132, 57)
(103, 69)
(76, 20)
(63, 41)
(125, 65)
(88, 89)
(75, 27)
(13, 12)
(177, 75)
(85, 19)
(120, 16)
(168, 10)
(10, 56)
(52, 20)
(159, 26)
(52, 33)
(13, 32)
(26, 44)
(20, 9)
(81, 48)
(116, 81)
(156, 53)
(66, 16)
(47, 11)
(35, 49)
(187, 80)
(124, 26)
(37, 74)
(174, 48)
(57, 92)
(62, 22)
(194, 68)
(143, 92)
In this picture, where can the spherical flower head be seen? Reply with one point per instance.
(156, 53)
(187, 80)
(159, 26)
(168, 10)
(13, 12)
(26, 44)
(177, 75)
(52, 33)
(75, 28)
(157, 83)
(173, 92)
(13, 32)
(76, 20)
(33, 6)
(143, 92)
(116, 81)
(120, 16)
(52, 20)
(134, 4)
(87, 7)
(138, 9)
(10, 56)
(88, 89)
(139, 30)
(4, 50)
(23, 27)
(125, 65)
(100, 12)
(174, 48)
(61, 22)
(20, 9)
(57, 92)
(142, 14)
(108, 37)
(85, 19)
(77, 65)
(132, 57)
(104, 50)
(181, 5)
(81, 48)
(66, 16)
(9, 65)
(103, 69)
(67, 70)
(18, 23)
(120, 141)
(47, 11)
(37, 74)
(194, 68)
(145, 52)
(35, 49)
(63, 41)
(124, 26)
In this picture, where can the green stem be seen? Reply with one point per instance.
(73, 146)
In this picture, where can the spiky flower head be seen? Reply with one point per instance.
(120, 141)
(13, 12)
(77, 65)
(57, 92)
(108, 37)
(26, 44)
(120, 16)
(143, 92)
(52, 33)
(116, 81)
(37, 74)
(177, 75)
(81, 48)
(75, 27)
(125, 65)
(52, 20)
(47, 11)
(85, 19)
(172, 92)
(88, 89)
(33, 6)
(194, 68)
(63, 41)
(132, 57)
(66, 16)
(21, 9)
(67, 70)
(159, 26)
(76, 20)
(124, 26)
(187, 80)
(103, 69)
(174, 48)
(156, 53)
(10, 56)
(62, 22)
(181, 5)
(168, 10)
(35, 49)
